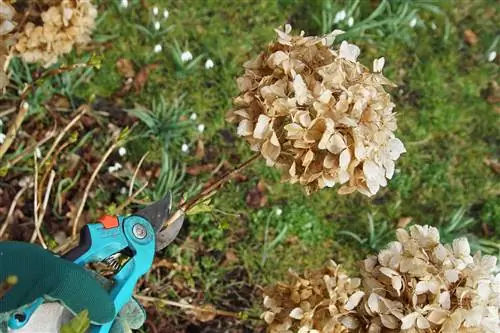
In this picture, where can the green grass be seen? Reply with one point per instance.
(447, 125)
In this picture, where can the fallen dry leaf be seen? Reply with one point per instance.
(470, 37)
(231, 258)
(142, 77)
(125, 67)
(494, 164)
(201, 168)
(203, 313)
(256, 197)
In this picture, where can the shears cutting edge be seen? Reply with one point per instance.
(136, 237)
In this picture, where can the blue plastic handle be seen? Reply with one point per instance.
(133, 233)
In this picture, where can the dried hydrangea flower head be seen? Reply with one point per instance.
(319, 114)
(65, 23)
(7, 25)
(419, 285)
(311, 303)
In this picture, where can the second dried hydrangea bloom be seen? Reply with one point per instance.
(65, 24)
(7, 25)
(419, 285)
(319, 114)
(311, 303)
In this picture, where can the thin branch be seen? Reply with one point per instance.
(89, 185)
(84, 109)
(8, 111)
(192, 307)
(14, 127)
(44, 209)
(28, 151)
(131, 188)
(35, 204)
(11, 209)
(130, 199)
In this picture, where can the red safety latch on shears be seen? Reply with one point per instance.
(109, 221)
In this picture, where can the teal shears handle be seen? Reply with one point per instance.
(133, 235)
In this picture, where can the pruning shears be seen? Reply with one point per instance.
(136, 237)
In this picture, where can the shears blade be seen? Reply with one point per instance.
(158, 214)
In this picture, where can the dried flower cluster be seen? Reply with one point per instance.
(319, 114)
(415, 285)
(7, 25)
(310, 303)
(65, 23)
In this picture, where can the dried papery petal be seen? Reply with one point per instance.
(332, 119)
(64, 25)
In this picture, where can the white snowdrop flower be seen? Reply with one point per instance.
(185, 148)
(209, 64)
(157, 25)
(155, 11)
(26, 105)
(193, 116)
(413, 22)
(117, 166)
(340, 16)
(2, 138)
(378, 64)
(165, 14)
(123, 190)
(186, 56)
(38, 153)
(492, 55)
(349, 51)
(124, 3)
(350, 22)
(433, 25)
(279, 211)
(201, 128)
(158, 48)
(122, 151)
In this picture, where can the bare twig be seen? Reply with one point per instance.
(130, 199)
(89, 185)
(84, 109)
(35, 204)
(11, 209)
(131, 188)
(7, 112)
(28, 151)
(192, 307)
(14, 127)
(42, 212)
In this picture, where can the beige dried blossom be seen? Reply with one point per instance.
(312, 303)
(64, 25)
(7, 25)
(419, 285)
(318, 114)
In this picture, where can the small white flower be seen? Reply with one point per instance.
(2, 138)
(38, 153)
(158, 48)
(349, 51)
(122, 151)
(117, 166)
(193, 116)
(433, 26)
(185, 148)
(201, 128)
(209, 64)
(165, 14)
(157, 25)
(155, 11)
(492, 55)
(124, 3)
(350, 22)
(378, 64)
(279, 211)
(123, 190)
(186, 56)
(26, 106)
(413, 22)
(340, 16)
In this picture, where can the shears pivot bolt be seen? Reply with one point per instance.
(139, 231)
